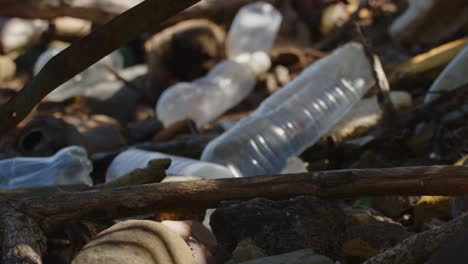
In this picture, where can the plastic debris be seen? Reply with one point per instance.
(250, 38)
(132, 159)
(296, 116)
(79, 84)
(68, 166)
(452, 77)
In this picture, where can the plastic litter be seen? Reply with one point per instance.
(70, 165)
(133, 159)
(78, 85)
(230, 81)
(296, 116)
(452, 77)
(254, 29)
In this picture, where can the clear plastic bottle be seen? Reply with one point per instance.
(77, 85)
(230, 81)
(290, 121)
(254, 29)
(452, 77)
(133, 159)
(205, 98)
(70, 165)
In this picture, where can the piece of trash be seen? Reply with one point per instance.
(132, 159)
(68, 166)
(253, 30)
(296, 116)
(79, 84)
(452, 77)
(229, 82)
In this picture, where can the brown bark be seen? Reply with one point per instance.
(55, 209)
(417, 248)
(96, 10)
(143, 17)
(23, 240)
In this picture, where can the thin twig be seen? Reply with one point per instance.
(383, 86)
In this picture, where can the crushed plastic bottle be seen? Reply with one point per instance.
(452, 77)
(254, 29)
(204, 99)
(70, 165)
(293, 119)
(77, 85)
(231, 80)
(133, 159)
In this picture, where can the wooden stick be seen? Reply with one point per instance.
(54, 210)
(416, 249)
(87, 51)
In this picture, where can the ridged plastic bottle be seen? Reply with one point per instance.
(230, 81)
(293, 119)
(77, 85)
(68, 166)
(133, 159)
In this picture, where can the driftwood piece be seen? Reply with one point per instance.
(417, 248)
(145, 16)
(53, 210)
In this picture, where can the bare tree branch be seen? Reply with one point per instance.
(87, 51)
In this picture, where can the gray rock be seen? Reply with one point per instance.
(304, 256)
(282, 226)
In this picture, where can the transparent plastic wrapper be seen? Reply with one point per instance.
(230, 81)
(70, 165)
(77, 85)
(296, 117)
(133, 159)
(452, 77)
